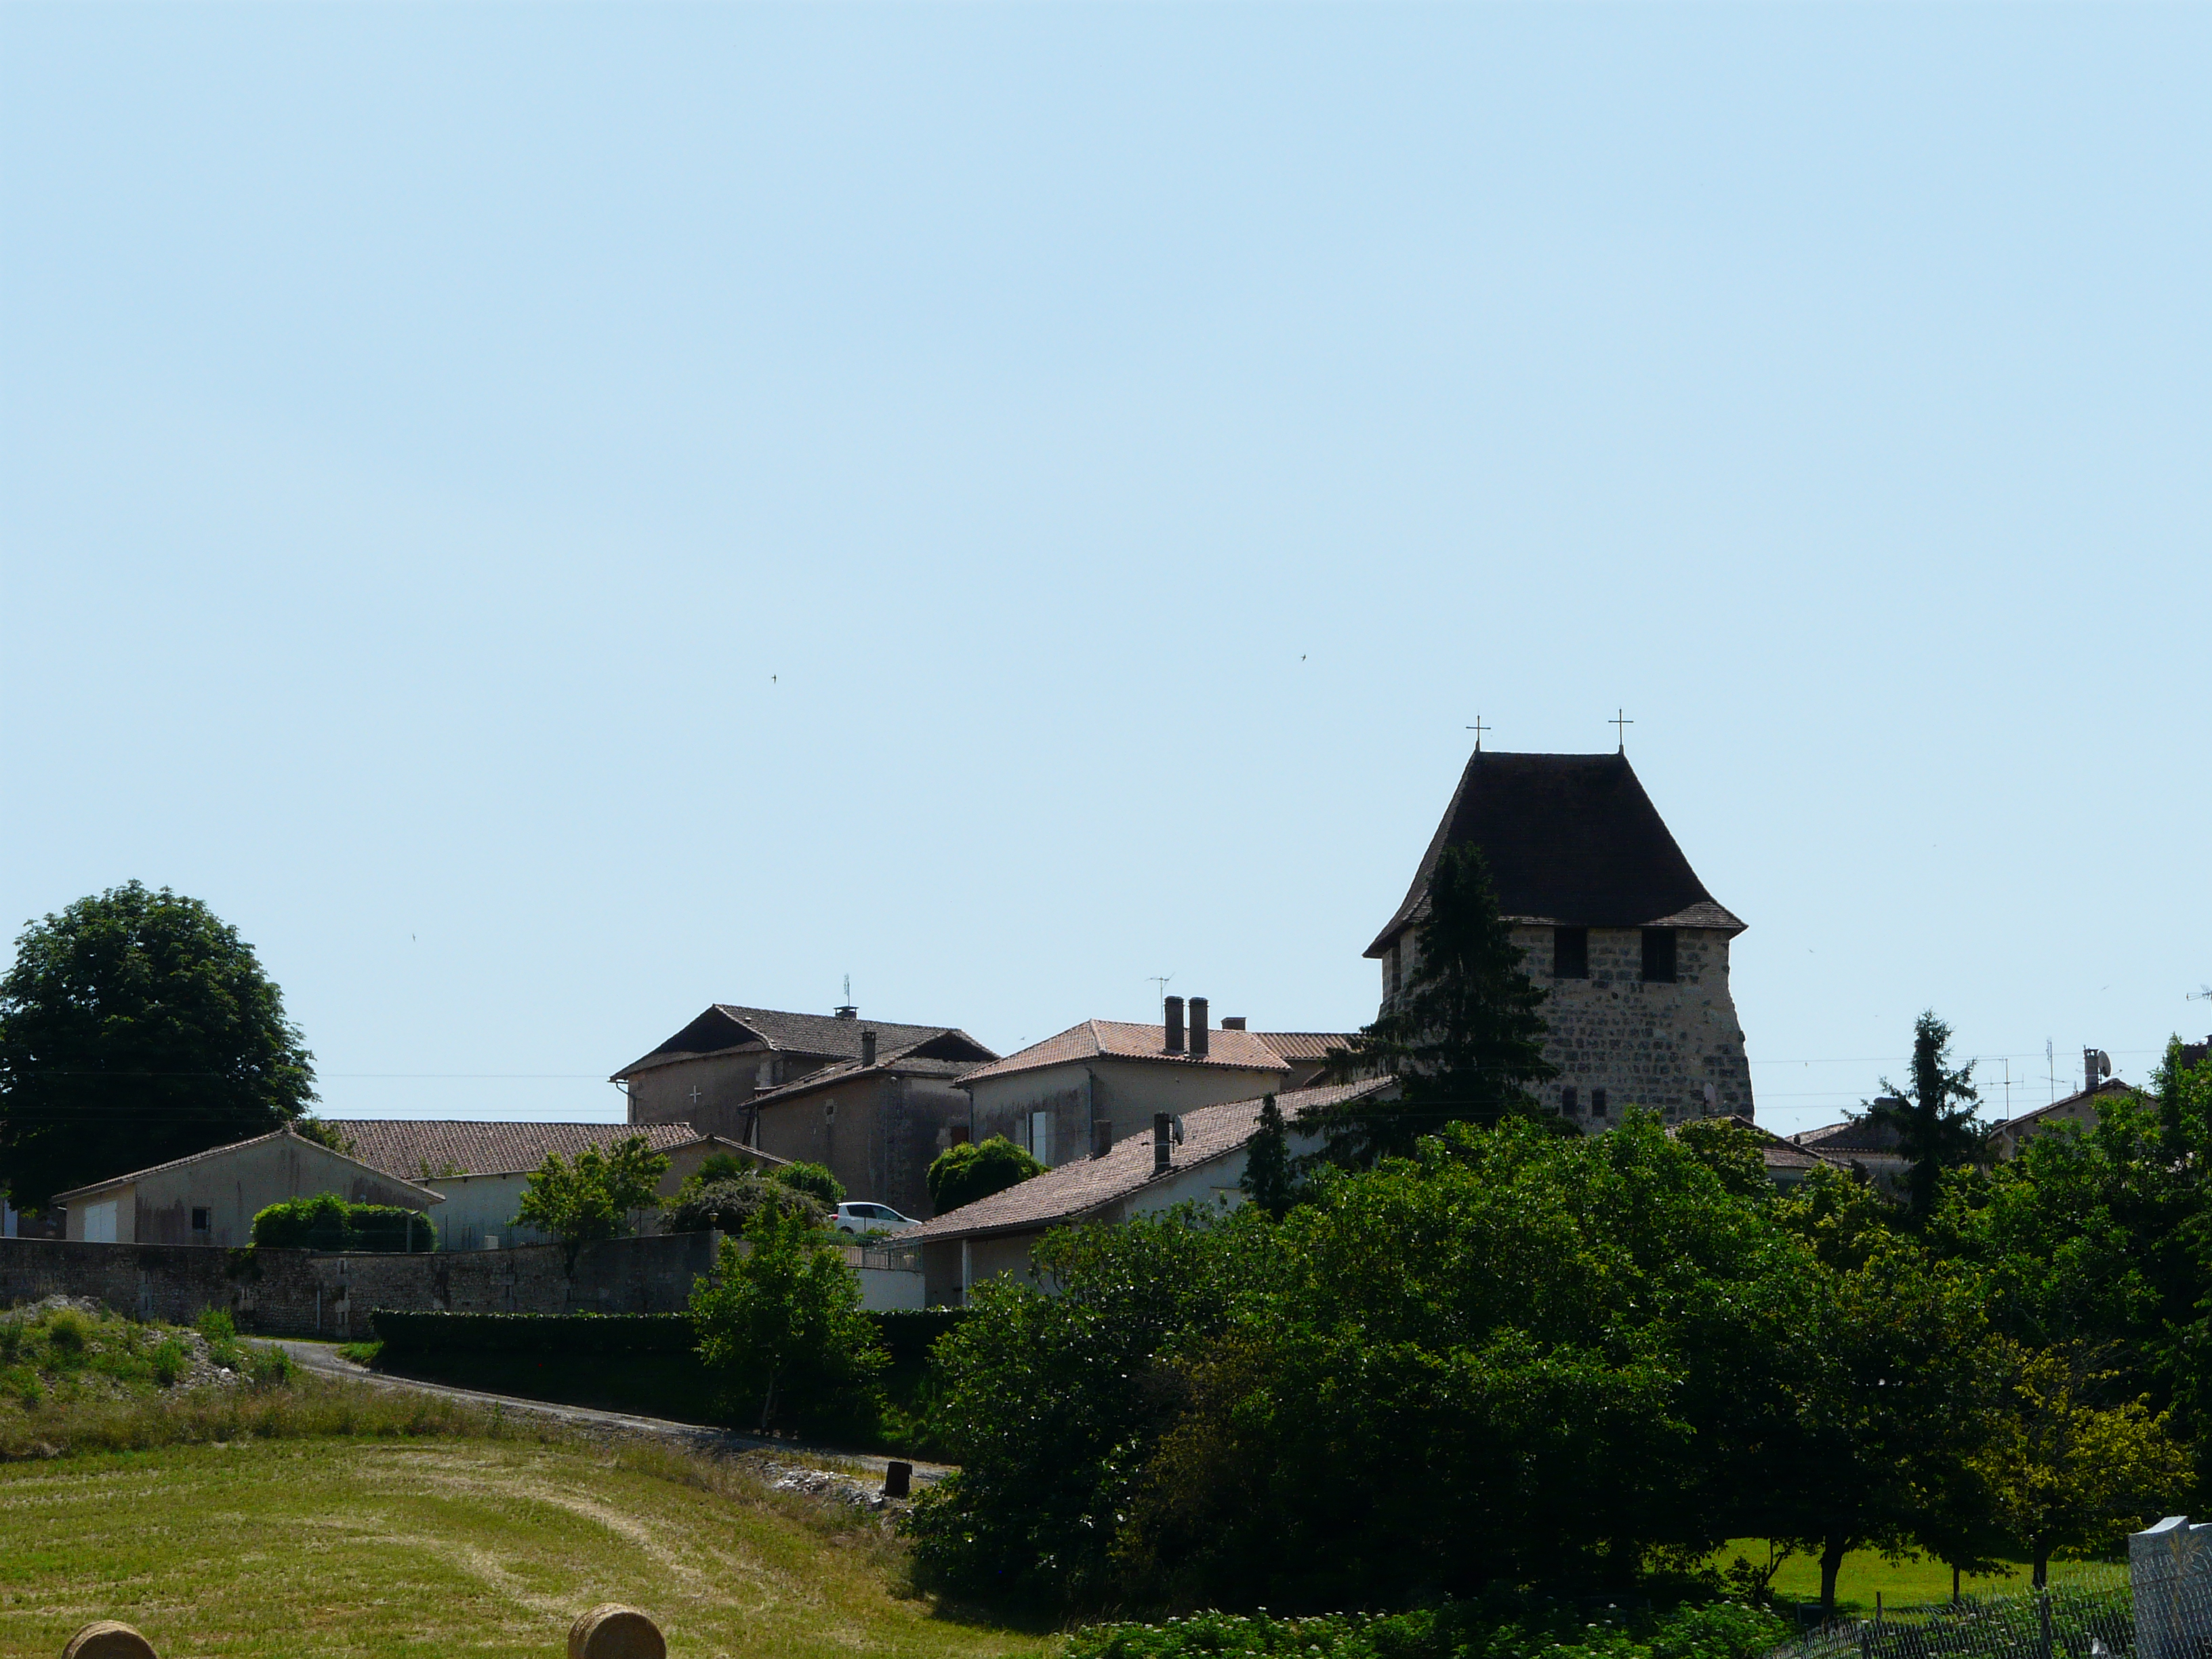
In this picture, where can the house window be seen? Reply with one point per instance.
(203, 1219)
(1392, 970)
(1569, 1097)
(1597, 1102)
(1570, 953)
(1040, 1136)
(1659, 955)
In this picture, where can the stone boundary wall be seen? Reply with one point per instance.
(311, 1293)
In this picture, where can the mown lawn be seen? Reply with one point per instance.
(1900, 1583)
(340, 1546)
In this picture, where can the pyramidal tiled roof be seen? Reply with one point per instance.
(1571, 840)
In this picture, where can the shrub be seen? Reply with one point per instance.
(731, 1205)
(327, 1222)
(961, 1174)
(1494, 1628)
(217, 1325)
(814, 1180)
(67, 1332)
(169, 1362)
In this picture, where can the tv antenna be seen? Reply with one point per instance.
(1161, 980)
(2203, 994)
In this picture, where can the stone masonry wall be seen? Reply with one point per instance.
(307, 1293)
(1656, 1045)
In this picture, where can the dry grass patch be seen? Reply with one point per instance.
(440, 1546)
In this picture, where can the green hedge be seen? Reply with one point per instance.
(327, 1222)
(907, 1335)
(1457, 1630)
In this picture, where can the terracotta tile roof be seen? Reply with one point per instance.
(725, 1026)
(1571, 840)
(1853, 1135)
(846, 1071)
(1076, 1189)
(1776, 1152)
(1114, 1039)
(1303, 1045)
(404, 1146)
(217, 1151)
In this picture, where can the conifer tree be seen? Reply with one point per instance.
(1266, 1180)
(1464, 1035)
(1936, 1129)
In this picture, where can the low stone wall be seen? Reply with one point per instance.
(309, 1293)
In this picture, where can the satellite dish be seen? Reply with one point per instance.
(2104, 1064)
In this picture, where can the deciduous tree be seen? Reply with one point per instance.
(136, 1027)
(781, 1322)
(594, 1197)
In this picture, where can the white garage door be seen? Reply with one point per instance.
(100, 1223)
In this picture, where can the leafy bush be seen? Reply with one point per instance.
(961, 1174)
(1501, 1628)
(327, 1222)
(814, 1180)
(169, 1362)
(732, 1204)
(67, 1331)
(217, 1325)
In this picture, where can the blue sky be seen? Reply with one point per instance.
(548, 518)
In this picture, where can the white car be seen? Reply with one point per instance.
(872, 1218)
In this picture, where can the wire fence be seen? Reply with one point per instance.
(2089, 1614)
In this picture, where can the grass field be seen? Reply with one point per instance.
(1901, 1583)
(413, 1548)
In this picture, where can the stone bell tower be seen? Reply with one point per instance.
(1616, 927)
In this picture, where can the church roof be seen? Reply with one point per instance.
(830, 1037)
(1571, 839)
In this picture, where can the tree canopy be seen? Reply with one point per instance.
(961, 1174)
(136, 1027)
(594, 1197)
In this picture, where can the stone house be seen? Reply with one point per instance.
(714, 1073)
(479, 1168)
(1615, 926)
(1105, 1079)
(1135, 1176)
(877, 1120)
(212, 1197)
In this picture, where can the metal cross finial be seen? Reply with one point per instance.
(1620, 724)
(1478, 728)
(695, 1094)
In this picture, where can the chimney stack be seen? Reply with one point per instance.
(1101, 1139)
(1232, 1022)
(867, 1048)
(1160, 1121)
(1175, 1025)
(1198, 1033)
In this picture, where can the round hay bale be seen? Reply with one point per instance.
(612, 1630)
(107, 1638)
